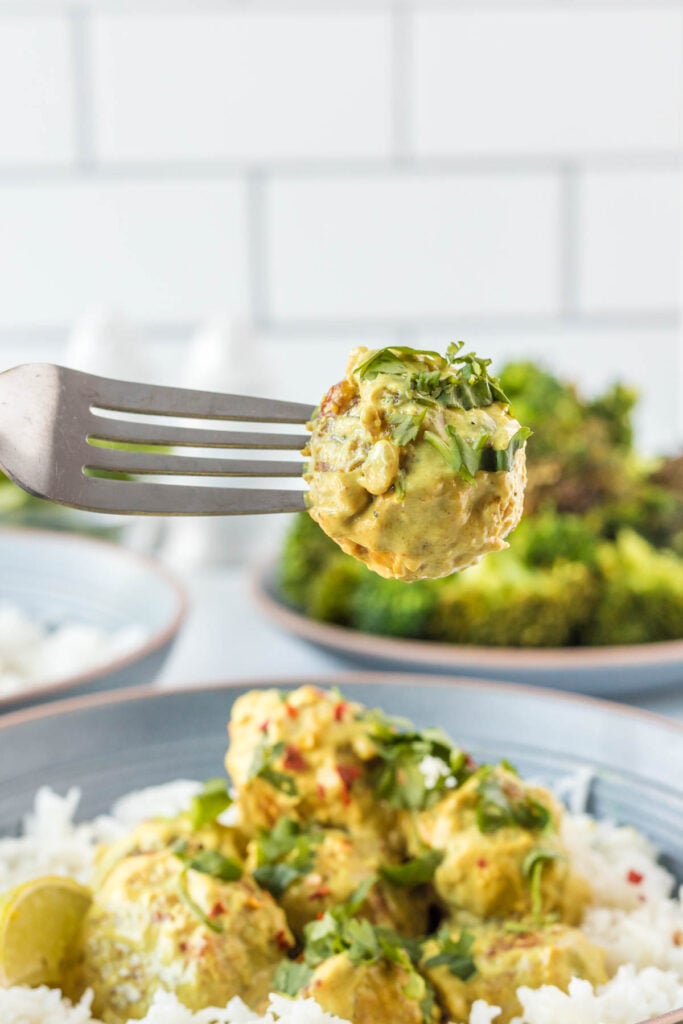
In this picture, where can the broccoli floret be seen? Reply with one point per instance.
(332, 588)
(502, 603)
(652, 511)
(306, 550)
(552, 537)
(641, 594)
(393, 607)
(580, 453)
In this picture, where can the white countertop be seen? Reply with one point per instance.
(226, 637)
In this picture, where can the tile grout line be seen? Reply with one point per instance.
(37, 8)
(257, 248)
(494, 165)
(569, 257)
(80, 63)
(406, 330)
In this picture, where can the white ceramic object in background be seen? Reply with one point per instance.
(105, 342)
(223, 355)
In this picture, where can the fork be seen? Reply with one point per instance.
(57, 432)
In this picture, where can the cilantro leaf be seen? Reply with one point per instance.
(210, 803)
(214, 926)
(532, 870)
(398, 777)
(405, 427)
(467, 459)
(284, 854)
(394, 360)
(499, 806)
(262, 767)
(291, 976)
(455, 955)
(208, 862)
(417, 871)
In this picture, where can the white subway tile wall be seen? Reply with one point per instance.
(36, 95)
(351, 171)
(261, 86)
(163, 251)
(560, 81)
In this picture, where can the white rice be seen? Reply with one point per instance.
(32, 653)
(634, 916)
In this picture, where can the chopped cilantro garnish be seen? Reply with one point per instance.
(262, 767)
(291, 976)
(501, 806)
(285, 854)
(393, 360)
(210, 803)
(455, 955)
(214, 926)
(208, 862)
(398, 777)
(405, 426)
(467, 459)
(417, 871)
(454, 381)
(532, 870)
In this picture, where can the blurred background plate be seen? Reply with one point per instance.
(56, 578)
(608, 671)
(110, 744)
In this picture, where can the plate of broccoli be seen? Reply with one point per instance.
(588, 597)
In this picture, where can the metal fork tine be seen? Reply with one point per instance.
(129, 498)
(122, 396)
(103, 429)
(118, 461)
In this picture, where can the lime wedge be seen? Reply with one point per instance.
(39, 924)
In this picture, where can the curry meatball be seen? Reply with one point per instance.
(155, 924)
(416, 466)
(505, 960)
(369, 993)
(502, 852)
(157, 834)
(322, 869)
(304, 755)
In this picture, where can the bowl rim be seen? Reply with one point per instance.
(447, 655)
(105, 698)
(156, 640)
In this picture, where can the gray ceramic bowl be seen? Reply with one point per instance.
(57, 577)
(610, 671)
(111, 744)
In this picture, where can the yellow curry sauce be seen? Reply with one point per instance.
(369, 865)
(416, 466)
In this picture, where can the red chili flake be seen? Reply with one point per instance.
(319, 916)
(182, 947)
(348, 773)
(482, 862)
(320, 893)
(321, 791)
(470, 763)
(292, 712)
(264, 726)
(340, 710)
(677, 938)
(282, 941)
(216, 910)
(293, 760)
(634, 877)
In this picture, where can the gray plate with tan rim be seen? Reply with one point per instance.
(56, 578)
(610, 671)
(110, 744)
